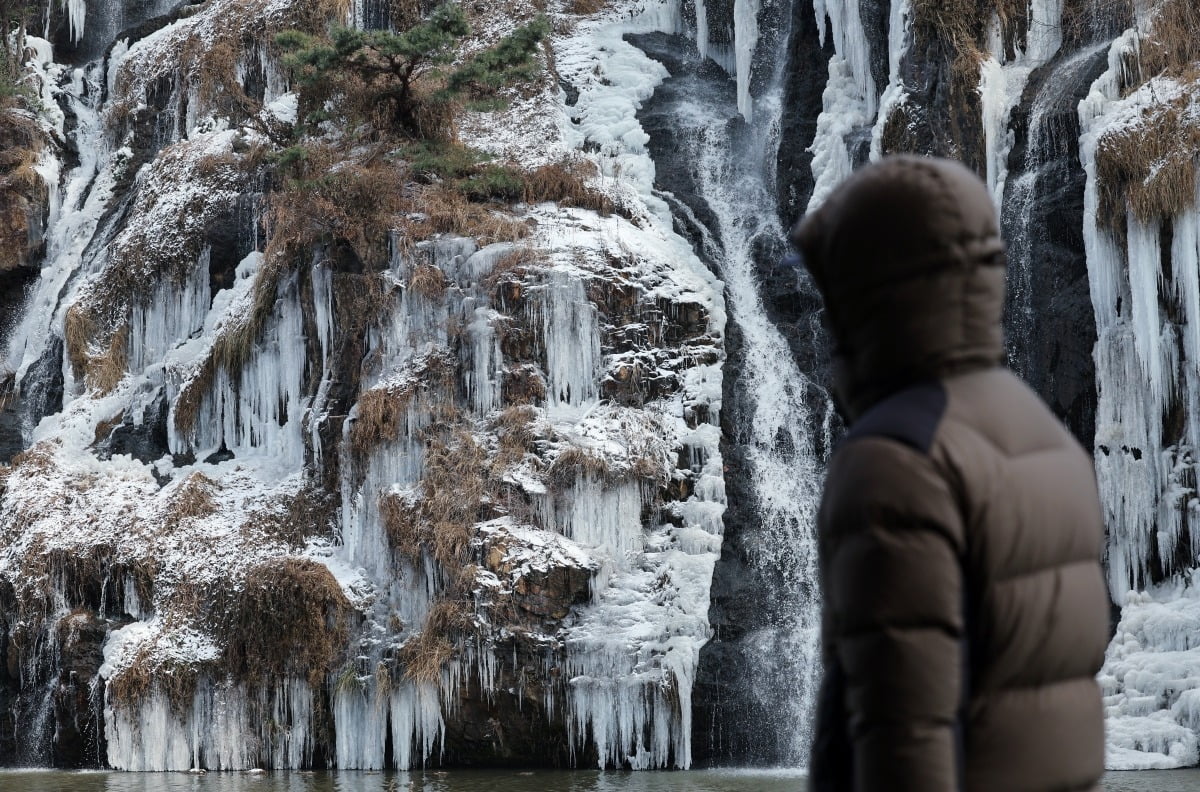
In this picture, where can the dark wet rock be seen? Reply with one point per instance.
(41, 394)
(78, 695)
(808, 62)
(539, 581)
(1050, 321)
(511, 726)
(145, 441)
(222, 454)
(230, 237)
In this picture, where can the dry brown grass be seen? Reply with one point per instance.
(174, 679)
(523, 384)
(402, 524)
(291, 618)
(453, 489)
(428, 281)
(586, 7)
(38, 459)
(565, 182)
(572, 464)
(649, 471)
(383, 412)
(515, 429)
(1172, 45)
(21, 188)
(959, 29)
(337, 198)
(504, 280)
(100, 363)
(425, 654)
(1149, 168)
(314, 16)
(452, 493)
(193, 500)
(293, 519)
(440, 209)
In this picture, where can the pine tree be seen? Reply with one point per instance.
(401, 71)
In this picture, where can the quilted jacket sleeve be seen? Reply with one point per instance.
(891, 539)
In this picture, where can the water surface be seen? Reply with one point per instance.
(487, 781)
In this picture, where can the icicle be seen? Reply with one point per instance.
(1002, 84)
(76, 16)
(702, 45)
(486, 361)
(745, 38)
(851, 43)
(843, 109)
(899, 33)
(572, 342)
(417, 724)
(322, 290)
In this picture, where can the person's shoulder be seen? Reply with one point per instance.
(883, 464)
(910, 417)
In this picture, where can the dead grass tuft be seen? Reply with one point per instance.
(587, 7)
(193, 500)
(523, 384)
(425, 654)
(515, 428)
(453, 488)
(440, 209)
(1149, 167)
(428, 281)
(512, 268)
(291, 618)
(565, 182)
(402, 524)
(101, 364)
(572, 464)
(173, 678)
(383, 412)
(293, 519)
(1172, 45)
(452, 495)
(336, 199)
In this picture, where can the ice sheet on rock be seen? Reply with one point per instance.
(1151, 680)
(1002, 84)
(843, 108)
(894, 95)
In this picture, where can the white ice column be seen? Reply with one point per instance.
(572, 339)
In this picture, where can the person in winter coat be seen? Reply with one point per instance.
(964, 614)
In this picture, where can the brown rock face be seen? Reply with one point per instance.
(23, 195)
(545, 584)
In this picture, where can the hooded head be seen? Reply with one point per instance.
(908, 257)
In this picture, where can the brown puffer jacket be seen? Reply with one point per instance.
(965, 615)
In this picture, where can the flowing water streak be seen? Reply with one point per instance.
(786, 470)
(734, 168)
(1048, 140)
(89, 188)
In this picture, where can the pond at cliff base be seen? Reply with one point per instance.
(735, 780)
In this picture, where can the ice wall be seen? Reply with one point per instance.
(237, 355)
(1144, 287)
